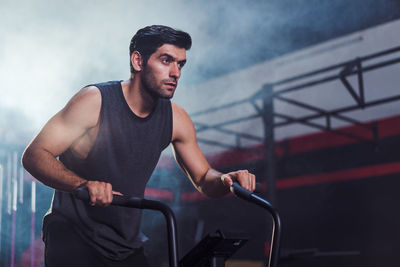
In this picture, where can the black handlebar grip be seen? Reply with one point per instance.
(134, 202)
(238, 190)
(82, 193)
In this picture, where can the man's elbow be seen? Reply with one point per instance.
(30, 157)
(27, 157)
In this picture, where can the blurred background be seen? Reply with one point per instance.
(303, 93)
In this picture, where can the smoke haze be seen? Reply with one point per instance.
(50, 49)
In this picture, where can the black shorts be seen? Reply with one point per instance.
(65, 248)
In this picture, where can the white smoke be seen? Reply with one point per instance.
(50, 49)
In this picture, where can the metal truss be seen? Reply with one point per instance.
(357, 66)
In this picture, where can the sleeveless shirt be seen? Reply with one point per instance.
(125, 153)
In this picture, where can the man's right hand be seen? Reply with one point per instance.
(100, 193)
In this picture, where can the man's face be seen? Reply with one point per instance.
(161, 74)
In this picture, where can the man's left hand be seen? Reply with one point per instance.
(246, 179)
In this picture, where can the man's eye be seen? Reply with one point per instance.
(166, 61)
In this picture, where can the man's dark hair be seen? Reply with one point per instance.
(147, 40)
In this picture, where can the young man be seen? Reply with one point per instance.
(109, 138)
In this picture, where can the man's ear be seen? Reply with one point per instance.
(137, 61)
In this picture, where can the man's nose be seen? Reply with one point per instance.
(175, 71)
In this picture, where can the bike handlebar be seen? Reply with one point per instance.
(276, 230)
(239, 191)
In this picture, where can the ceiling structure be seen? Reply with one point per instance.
(351, 80)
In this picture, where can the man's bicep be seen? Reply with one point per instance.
(57, 135)
(186, 150)
(69, 124)
(191, 159)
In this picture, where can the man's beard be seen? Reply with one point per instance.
(150, 85)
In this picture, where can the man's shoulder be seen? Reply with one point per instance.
(180, 117)
(183, 127)
(88, 93)
(88, 98)
(83, 109)
(178, 110)
(105, 84)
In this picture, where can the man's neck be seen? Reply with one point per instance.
(139, 100)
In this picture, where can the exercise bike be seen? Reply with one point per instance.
(214, 249)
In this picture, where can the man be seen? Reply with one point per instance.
(109, 138)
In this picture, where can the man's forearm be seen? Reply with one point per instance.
(51, 172)
(212, 184)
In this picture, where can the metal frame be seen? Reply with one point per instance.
(345, 69)
(357, 66)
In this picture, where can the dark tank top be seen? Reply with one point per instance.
(125, 153)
